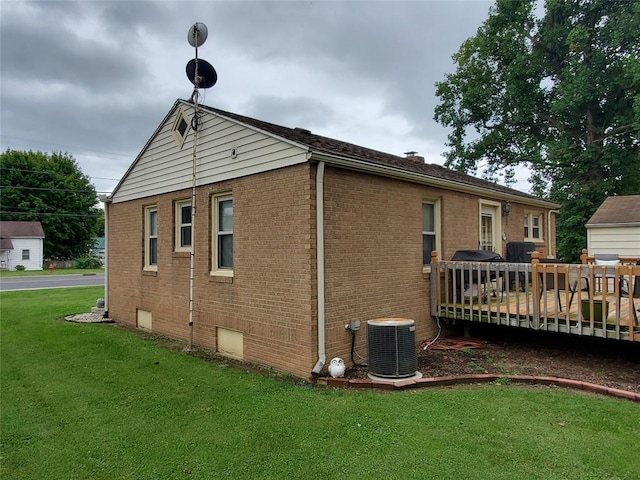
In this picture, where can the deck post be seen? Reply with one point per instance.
(435, 283)
(584, 256)
(535, 286)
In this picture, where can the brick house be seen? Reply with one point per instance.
(295, 235)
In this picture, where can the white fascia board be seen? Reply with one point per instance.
(109, 198)
(400, 174)
(610, 225)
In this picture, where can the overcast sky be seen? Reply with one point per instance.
(96, 78)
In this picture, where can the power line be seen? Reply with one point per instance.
(68, 147)
(51, 172)
(38, 214)
(48, 189)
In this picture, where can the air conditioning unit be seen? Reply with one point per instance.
(391, 347)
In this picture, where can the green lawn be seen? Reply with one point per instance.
(98, 401)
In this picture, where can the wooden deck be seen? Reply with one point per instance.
(537, 296)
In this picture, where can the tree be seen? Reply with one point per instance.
(557, 91)
(53, 190)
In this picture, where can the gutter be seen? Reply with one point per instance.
(421, 178)
(549, 234)
(322, 356)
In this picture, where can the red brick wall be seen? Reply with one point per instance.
(373, 251)
(373, 262)
(270, 296)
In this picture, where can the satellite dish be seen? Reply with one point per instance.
(207, 76)
(197, 34)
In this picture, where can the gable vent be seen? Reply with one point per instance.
(180, 129)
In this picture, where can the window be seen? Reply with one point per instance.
(26, 254)
(430, 229)
(222, 235)
(533, 227)
(151, 238)
(183, 225)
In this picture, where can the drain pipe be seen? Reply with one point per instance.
(549, 233)
(322, 356)
(105, 200)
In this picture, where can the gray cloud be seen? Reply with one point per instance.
(292, 112)
(96, 78)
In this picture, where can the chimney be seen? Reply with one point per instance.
(412, 156)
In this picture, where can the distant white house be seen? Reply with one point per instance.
(615, 227)
(21, 243)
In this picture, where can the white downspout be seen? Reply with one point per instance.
(322, 357)
(549, 234)
(106, 202)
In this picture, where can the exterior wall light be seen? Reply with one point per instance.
(506, 208)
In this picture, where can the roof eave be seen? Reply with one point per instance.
(609, 225)
(424, 179)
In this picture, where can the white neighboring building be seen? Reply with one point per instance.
(615, 227)
(21, 243)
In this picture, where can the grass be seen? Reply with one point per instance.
(101, 401)
(57, 271)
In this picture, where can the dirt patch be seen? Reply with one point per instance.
(612, 363)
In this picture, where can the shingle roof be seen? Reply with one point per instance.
(617, 210)
(12, 229)
(320, 144)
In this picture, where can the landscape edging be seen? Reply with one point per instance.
(477, 378)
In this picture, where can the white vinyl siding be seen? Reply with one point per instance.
(21, 245)
(625, 241)
(225, 150)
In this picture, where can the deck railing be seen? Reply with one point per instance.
(581, 299)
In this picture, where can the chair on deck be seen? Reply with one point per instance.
(609, 261)
(548, 280)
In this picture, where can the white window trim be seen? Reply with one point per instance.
(178, 247)
(436, 202)
(26, 254)
(497, 233)
(147, 236)
(530, 216)
(215, 269)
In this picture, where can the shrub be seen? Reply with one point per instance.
(88, 262)
(20, 268)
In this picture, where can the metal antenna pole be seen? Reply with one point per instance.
(194, 126)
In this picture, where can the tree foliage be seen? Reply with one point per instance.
(557, 91)
(51, 189)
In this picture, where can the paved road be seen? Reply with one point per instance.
(36, 282)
